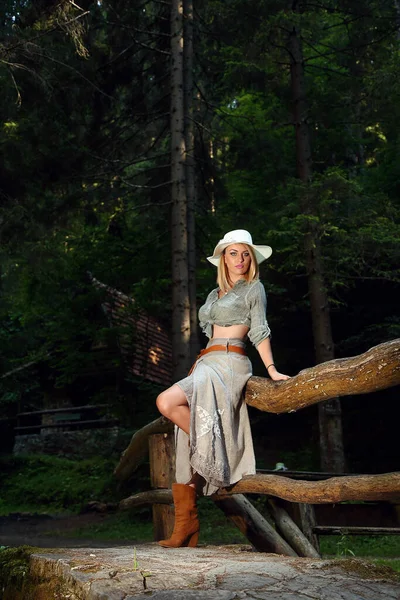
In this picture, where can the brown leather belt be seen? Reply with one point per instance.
(218, 348)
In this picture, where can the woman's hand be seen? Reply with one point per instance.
(265, 351)
(275, 375)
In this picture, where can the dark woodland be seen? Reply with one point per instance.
(134, 135)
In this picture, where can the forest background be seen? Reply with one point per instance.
(128, 158)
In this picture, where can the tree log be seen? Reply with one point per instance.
(376, 369)
(329, 491)
(303, 514)
(253, 525)
(149, 497)
(291, 532)
(349, 530)
(138, 447)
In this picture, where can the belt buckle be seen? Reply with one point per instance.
(227, 346)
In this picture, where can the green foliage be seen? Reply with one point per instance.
(51, 484)
(85, 173)
(343, 546)
(14, 567)
(385, 546)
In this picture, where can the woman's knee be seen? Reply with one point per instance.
(168, 400)
(163, 403)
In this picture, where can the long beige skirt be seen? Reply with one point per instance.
(220, 445)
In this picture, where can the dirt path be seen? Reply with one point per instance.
(46, 531)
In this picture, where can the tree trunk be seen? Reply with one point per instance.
(190, 172)
(330, 422)
(179, 237)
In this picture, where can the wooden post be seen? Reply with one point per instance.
(253, 525)
(303, 515)
(291, 532)
(162, 475)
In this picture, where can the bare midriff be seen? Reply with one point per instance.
(233, 331)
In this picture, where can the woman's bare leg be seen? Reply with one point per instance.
(172, 403)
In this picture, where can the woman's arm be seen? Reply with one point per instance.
(265, 351)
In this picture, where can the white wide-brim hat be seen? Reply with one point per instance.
(239, 236)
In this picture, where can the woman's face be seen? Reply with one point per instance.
(238, 260)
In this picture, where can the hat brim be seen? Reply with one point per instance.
(261, 252)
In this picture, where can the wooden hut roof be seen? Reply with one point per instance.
(144, 342)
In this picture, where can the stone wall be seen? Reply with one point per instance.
(82, 443)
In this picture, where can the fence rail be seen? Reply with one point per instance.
(66, 418)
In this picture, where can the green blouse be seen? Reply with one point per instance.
(244, 304)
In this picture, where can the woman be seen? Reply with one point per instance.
(214, 446)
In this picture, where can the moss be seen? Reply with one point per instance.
(15, 579)
(14, 566)
(367, 570)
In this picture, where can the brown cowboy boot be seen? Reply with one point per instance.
(186, 527)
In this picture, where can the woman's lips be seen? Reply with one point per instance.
(239, 266)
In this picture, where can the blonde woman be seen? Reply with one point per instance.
(214, 447)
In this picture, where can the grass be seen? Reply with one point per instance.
(384, 546)
(137, 527)
(121, 527)
(48, 484)
(51, 484)
(393, 563)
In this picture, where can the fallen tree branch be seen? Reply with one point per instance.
(149, 497)
(376, 369)
(383, 487)
(329, 491)
(138, 447)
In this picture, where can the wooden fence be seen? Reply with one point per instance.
(293, 524)
(62, 419)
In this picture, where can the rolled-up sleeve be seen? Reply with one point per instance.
(257, 301)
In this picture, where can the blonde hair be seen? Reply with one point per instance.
(223, 280)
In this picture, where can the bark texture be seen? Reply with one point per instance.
(253, 525)
(190, 177)
(179, 236)
(138, 447)
(144, 498)
(376, 369)
(329, 491)
(291, 532)
(162, 476)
